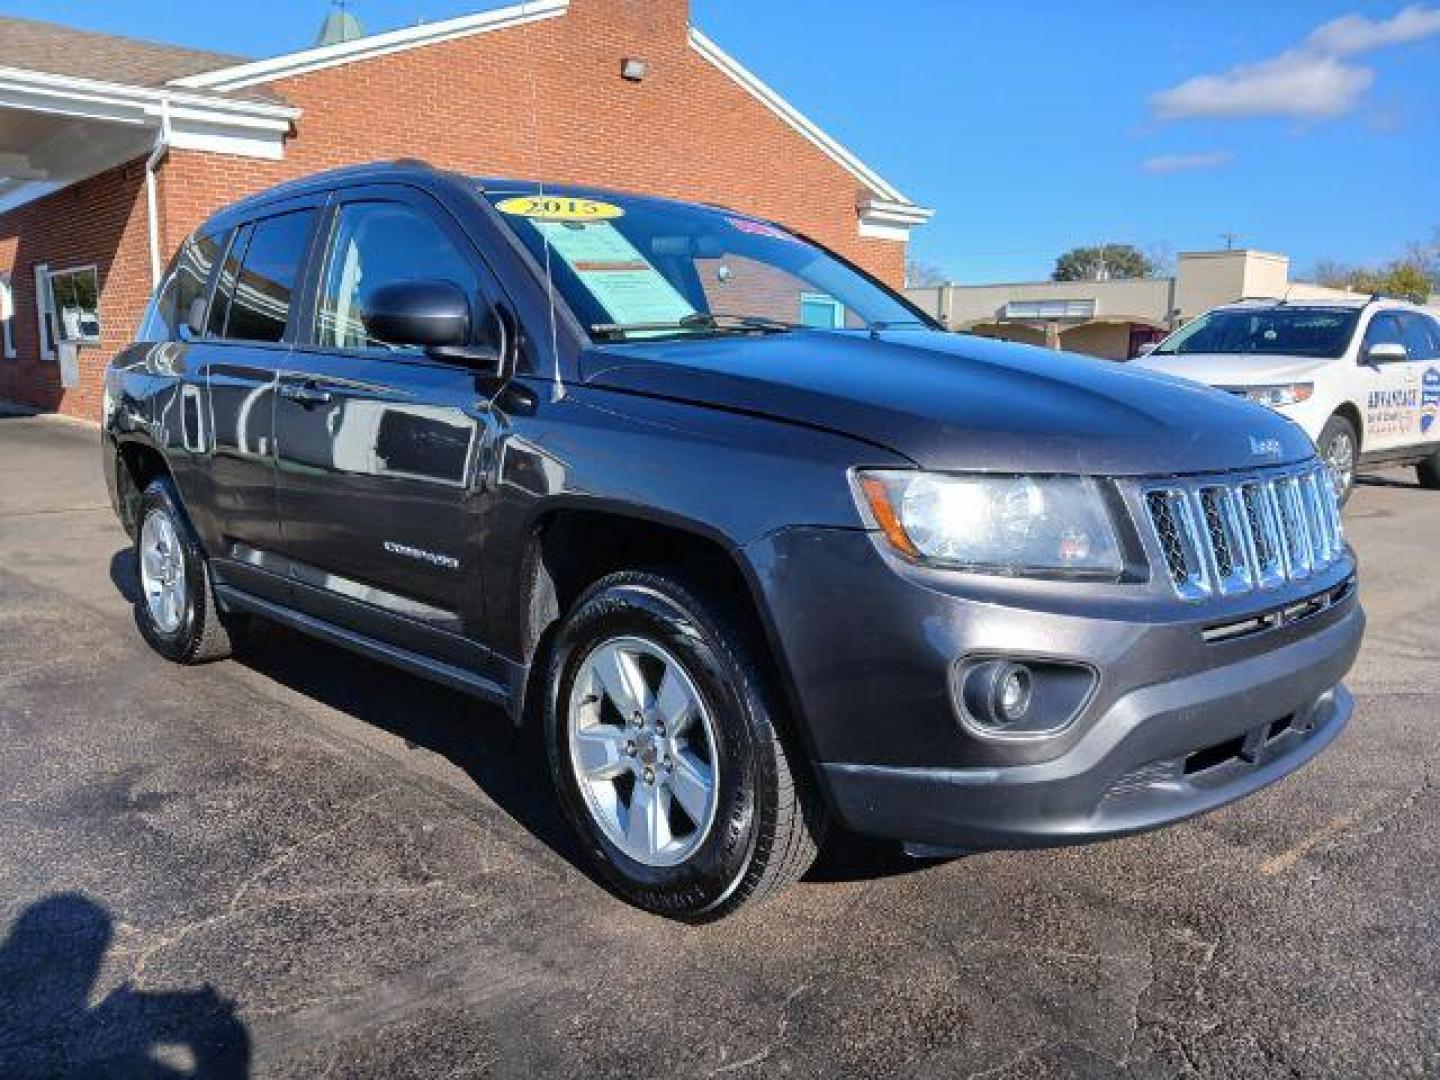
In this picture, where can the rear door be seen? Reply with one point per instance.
(248, 334)
(378, 445)
(1422, 342)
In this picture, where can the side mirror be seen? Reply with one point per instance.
(424, 314)
(1386, 352)
(1146, 349)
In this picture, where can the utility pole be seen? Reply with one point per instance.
(1229, 238)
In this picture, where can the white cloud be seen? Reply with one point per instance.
(1313, 80)
(1351, 34)
(1295, 83)
(1164, 164)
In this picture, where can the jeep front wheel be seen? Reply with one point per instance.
(666, 748)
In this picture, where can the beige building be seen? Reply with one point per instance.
(1114, 318)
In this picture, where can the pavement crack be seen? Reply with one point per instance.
(1025, 1052)
(1331, 830)
(780, 1034)
(357, 811)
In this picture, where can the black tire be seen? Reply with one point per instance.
(203, 633)
(1428, 472)
(1339, 432)
(768, 821)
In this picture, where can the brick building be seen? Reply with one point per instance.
(112, 150)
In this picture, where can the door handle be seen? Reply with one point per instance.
(306, 396)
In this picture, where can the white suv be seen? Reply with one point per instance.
(1361, 377)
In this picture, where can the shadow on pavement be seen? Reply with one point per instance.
(1370, 480)
(48, 967)
(508, 765)
(125, 575)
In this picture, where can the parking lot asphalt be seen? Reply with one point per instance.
(297, 863)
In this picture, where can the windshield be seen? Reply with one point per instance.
(637, 268)
(1285, 331)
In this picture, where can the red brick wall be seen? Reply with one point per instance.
(101, 221)
(542, 100)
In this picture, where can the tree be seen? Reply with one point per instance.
(1332, 273)
(1406, 278)
(919, 273)
(1102, 263)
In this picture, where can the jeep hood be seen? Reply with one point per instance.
(1228, 369)
(950, 401)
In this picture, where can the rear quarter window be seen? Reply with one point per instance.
(187, 280)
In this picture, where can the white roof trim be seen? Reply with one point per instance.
(119, 102)
(374, 45)
(797, 120)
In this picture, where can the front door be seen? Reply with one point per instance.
(377, 444)
(1392, 389)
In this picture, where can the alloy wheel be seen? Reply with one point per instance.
(1340, 457)
(642, 750)
(162, 571)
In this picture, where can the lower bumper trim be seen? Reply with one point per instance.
(996, 809)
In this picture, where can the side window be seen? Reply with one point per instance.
(260, 305)
(189, 275)
(1384, 329)
(380, 243)
(1420, 336)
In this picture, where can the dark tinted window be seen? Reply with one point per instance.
(1422, 336)
(188, 278)
(225, 287)
(260, 306)
(380, 243)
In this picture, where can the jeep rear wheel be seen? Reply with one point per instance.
(665, 747)
(176, 608)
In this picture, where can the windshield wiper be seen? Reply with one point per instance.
(700, 320)
(891, 324)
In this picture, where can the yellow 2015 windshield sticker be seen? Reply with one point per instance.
(558, 208)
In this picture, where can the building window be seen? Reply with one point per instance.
(7, 316)
(821, 311)
(74, 309)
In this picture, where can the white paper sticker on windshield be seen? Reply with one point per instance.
(617, 275)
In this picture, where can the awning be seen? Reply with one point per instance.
(58, 129)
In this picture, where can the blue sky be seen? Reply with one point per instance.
(1032, 128)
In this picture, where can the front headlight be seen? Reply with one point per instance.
(994, 524)
(1278, 395)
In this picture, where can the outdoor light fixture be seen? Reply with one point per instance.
(633, 69)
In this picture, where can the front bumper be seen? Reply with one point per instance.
(1163, 754)
(1178, 724)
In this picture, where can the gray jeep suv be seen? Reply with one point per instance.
(753, 544)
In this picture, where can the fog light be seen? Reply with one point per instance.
(998, 693)
(997, 697)
(1014, 693)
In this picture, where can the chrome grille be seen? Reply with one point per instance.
(1223, 537)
